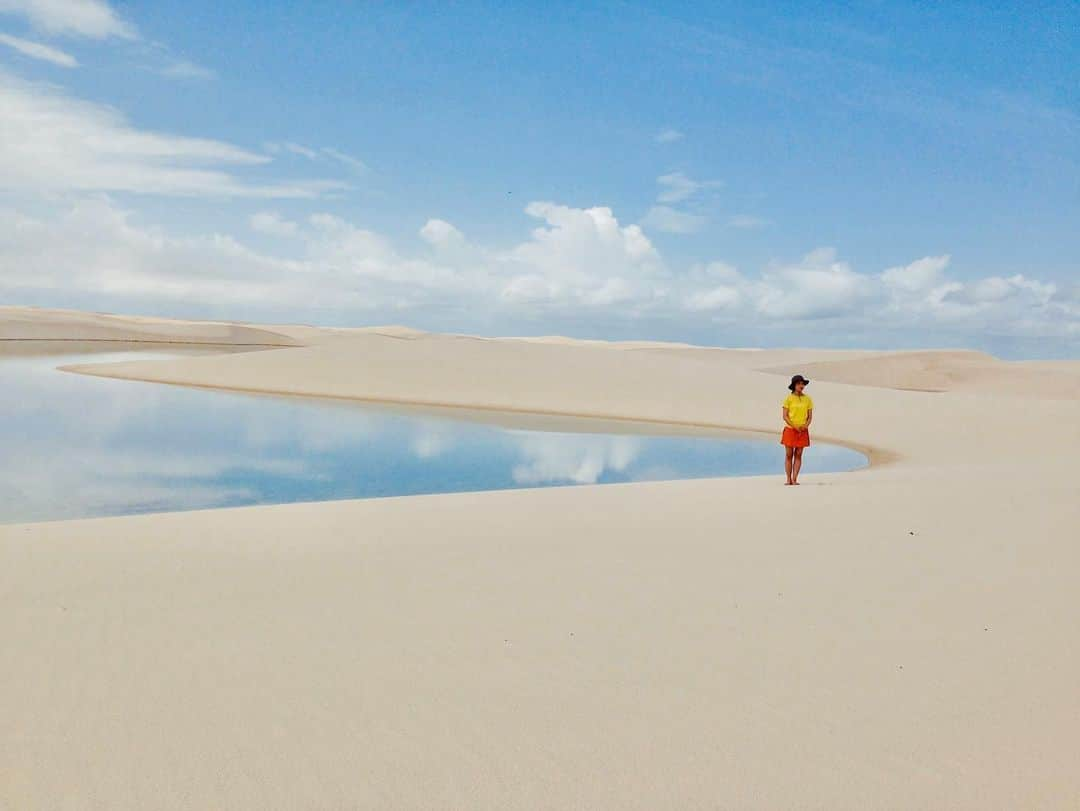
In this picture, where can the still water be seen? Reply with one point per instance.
(78, 446)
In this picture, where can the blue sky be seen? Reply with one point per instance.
(875, 174)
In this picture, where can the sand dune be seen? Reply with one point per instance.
(950, 371)
(897, 637)
(31, 323)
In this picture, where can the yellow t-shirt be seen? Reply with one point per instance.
(797, 408)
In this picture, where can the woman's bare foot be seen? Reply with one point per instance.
(788, 484)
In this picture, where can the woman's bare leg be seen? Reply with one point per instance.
(789, 461)
(796, 465)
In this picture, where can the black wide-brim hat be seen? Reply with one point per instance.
(797, 379)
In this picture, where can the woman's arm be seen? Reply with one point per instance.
(787, 420)
(809, 419)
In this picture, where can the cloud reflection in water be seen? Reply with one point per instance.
(77, 446)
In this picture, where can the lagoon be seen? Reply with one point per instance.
(80, 446)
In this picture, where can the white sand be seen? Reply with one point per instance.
(899, 637)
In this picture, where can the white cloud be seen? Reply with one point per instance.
(672, 221)
(36, 50)
(353, 163)
(995, 301)
(576, 262)
(995, 289)
(441, 233)
(920, 292)
(51, 142)
(293, 148)
(432, 440)
(551, 458)
(920, 276)
(318, 153)
(183, 70)
(668, 136)
(716, 272)
(94, 19)
(715, 288)
(675, 187)
(581, 255)
(97, 248)
(721, 297)
(819, 286)
(272, 223)
(746, 222)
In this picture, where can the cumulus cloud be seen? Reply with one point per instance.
(919, 277)
(578, 257)
(715, 288)
(440, 233)
(51, 142)
(96, 247)
(995, 300)
(819, 286)
(995, 289)
(581, 255)
(359, 258)
(719, 298)
(922, 293)
(576, 261)
(93, 19)
(39, 51)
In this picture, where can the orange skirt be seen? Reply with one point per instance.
(795, 439)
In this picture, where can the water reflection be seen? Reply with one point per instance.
(79, 446)
(555, 458)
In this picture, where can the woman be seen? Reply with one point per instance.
(798, 413)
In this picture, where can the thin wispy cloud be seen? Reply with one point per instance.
(293, 149)
(184, 70)
(669, 136)
(677, 186)
(157, 57)
(317, 153)
(51, 142)
(746, 222)
(39, 51)
(92, 19)
(353, 163)
(672, 221)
